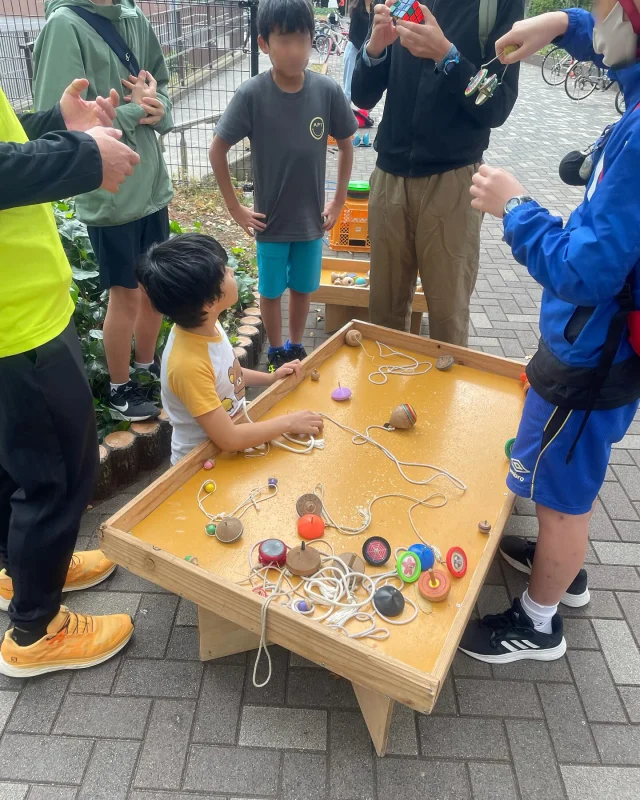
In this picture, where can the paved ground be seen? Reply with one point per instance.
(157, 724)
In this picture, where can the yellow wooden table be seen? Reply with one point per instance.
(465, 416)
(344, 303)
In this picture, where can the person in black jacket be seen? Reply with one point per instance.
(430, 142)
(361, 16)
(48, 441)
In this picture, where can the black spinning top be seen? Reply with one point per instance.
(388, 601)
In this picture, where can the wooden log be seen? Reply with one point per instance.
(252, 311)
(150, 445)
(124, 458)
(255, 322)
(166, 430)
(242, 356)
(253, 334)
(247, 345)
(104, 483)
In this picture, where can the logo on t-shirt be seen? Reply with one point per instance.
(317, 128)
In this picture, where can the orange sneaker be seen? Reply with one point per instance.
(87, 569)
(73, 641)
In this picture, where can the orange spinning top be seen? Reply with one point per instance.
(310, 526)
(434, 585)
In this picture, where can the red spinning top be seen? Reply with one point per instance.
(457, 562)
(310, 526)
(272, 552)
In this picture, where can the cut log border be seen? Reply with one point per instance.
(125, 454)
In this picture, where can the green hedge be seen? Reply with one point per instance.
(537, 7)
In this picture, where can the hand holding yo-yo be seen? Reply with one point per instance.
(528, 36)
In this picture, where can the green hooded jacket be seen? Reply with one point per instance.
(69, 48)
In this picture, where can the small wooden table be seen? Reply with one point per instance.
(344, 303)
(464, 417)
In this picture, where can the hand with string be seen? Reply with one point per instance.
(144, 92)
(528, 36)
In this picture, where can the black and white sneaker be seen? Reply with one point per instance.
(520, 552)
(131, 401)
(296, 352)
(277, 359)
(503, 638)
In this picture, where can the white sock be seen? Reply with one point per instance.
(541, 616)
(140, 365)
(115, 386)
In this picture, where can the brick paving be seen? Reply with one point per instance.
(156, 724)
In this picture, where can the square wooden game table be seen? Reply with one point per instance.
(464, 417)
(344, 303)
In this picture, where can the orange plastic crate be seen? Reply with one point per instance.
(331, 142)
(351, 231)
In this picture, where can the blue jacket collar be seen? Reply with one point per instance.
(629, 80)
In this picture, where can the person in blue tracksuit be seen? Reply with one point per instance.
(585, 376)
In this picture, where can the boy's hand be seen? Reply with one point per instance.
(291, 367)
(492, 188)
(82, 115)
(305, 423)
(248, 219)
(330, 215)
(383, 32)
(155, 110)
(137, 87)
(531, 35)
(424, 41)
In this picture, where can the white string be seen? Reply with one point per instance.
(303, 448)
(408, 370)
(253, 500)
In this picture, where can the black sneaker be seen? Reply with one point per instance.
(277, 359)
(503, 638)
(154, 369)
(520, 552)
(131, 401)
(296, 352)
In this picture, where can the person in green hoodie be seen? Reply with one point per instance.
(123, 226)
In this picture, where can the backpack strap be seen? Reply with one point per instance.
(104, 28)
(487, 14)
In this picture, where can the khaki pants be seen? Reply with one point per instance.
(427, 226)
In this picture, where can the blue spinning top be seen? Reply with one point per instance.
(425, 554)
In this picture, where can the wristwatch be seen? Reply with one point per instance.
(515, 202)
(449, 61)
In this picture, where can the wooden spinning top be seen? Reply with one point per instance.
(229, 529)
(303, 561)
(434, 585)
(484, 526)
(353, 561)
(314, 375)
(444, 363)
(353, 338)
(309, 504)
(403, 417)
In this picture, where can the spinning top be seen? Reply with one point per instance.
(303, 561)
(376, 551)
(444, 363)
(310, 526)
(525, 383)
(361, 281)
(314, 375)
(353, 338)
(388, 601)
(341, 393)
(272, 552)
(434, 585)
(208, 464)
(403, 417)
(408, 566)
(425, 554)
(484, 526)
(229, 529)
(508, 447)
(457, 562)
(309, 504)
(353, 562)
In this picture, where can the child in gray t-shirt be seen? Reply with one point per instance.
(287, 113)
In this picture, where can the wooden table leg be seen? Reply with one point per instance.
(219, 637)
(377, 710)
(416, 322)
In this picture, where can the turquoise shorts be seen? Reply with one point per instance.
(293, 265)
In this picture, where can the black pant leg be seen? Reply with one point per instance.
(48, 446)
(7, 488)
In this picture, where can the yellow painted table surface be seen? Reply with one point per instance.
(465, 416)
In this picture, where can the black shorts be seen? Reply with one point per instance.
(118, 247)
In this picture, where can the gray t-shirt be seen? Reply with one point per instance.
(288, 134)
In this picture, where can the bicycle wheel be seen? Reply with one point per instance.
(323, 46)
(581, 80)
(555, 66)
(620, 106)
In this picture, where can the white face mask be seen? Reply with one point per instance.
(615, 38)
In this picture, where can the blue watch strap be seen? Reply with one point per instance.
(447, 63)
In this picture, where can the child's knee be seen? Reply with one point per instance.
(124, 301)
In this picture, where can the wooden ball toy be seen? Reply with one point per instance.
(434, 585)
(303, 561)
(510, 48)
(310, 526)
(353, 338)
(348, 281)
(314, 375)
(208, 464)
(209, 487)
(403, 417)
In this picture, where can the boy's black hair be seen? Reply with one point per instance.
(285, 16)
(183, 274)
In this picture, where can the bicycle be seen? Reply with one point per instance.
(555, 66)
(620, 104)
(584, 78)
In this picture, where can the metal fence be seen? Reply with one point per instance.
(210, 48)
